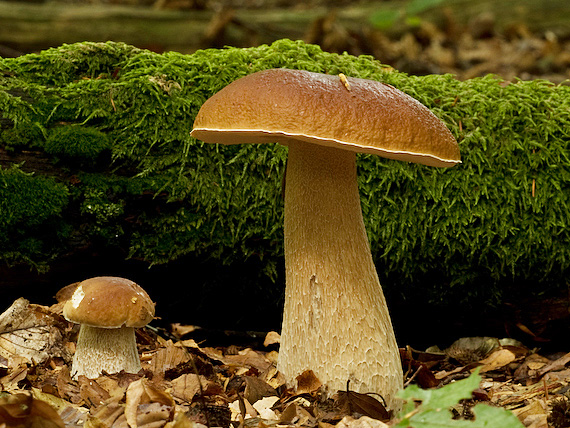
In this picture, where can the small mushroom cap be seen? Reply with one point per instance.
(109, 302)
(366, 116)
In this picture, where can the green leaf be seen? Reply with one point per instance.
(433, 409)
(442, 397)
(488, 416)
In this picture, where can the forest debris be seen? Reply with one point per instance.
(272, 338)
(497, 359)
(169, 393)
(362, 422)
(168, 357)
(248, 358)
(23, 410)
(187, 386)
(263, 407)
(16, 374)
(352, 403)
(71, 415)
(257, 389)
(511, 396)
(555, 365)
(296, 414)
(106, 414)
(308, 383)
(533, 415)
(31, 332)
(560, 376)
(180, 330)
(471, 349)
(242, 409)
(145, 403)
(91, 392)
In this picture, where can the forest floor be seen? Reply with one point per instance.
(185, 384)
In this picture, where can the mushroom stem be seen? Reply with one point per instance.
(334, 304)
(105, 349)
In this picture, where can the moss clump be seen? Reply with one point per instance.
(77, 145)
(458, 234)
(30, 210)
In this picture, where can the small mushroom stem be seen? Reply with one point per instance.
(105, 349)
(336, 320)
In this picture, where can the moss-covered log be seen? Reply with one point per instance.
(95, 150)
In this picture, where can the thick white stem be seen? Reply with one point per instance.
(336, 320)
(105, 349)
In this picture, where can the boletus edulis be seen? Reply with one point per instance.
(108, 309)
(335, 321)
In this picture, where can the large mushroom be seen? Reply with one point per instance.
(108, 309)
(336, 321)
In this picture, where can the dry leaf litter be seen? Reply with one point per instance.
(183, 384)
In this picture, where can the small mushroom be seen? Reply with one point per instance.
(336, 321)
(108, 309)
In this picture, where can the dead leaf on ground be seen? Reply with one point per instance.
(272, 338)
(307, 383)
(555, 365)
(168, 357)
(32, 332)
(141, 393)
(257, 389)
(362, 422)
(187, 386)
(351, 402)
(24, 410)
(497, 359)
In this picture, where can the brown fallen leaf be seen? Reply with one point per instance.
(555, 365)
(351, 402)
(257, 389)
(106, 414)
(308, 383)
(272, 338)
(533, 415)
(180, 330)
(497, 359)
(73, 416)
(181, 421)
(16, 374)
(22, 410)
(91, 392)
(32, 332)
(168, 357)
(142, 392)
(527, 371)
(295, 414)
(187, 386)
(362, 422)
(247, 358)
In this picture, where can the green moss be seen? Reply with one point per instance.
(164, 195)
(79, 145)
(30, 225)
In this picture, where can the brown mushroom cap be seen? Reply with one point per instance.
(361, 115)
(109, 302)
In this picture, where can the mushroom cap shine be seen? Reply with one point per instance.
(365, 116)
(109, 302)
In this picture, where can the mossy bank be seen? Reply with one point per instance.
(95, 150)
